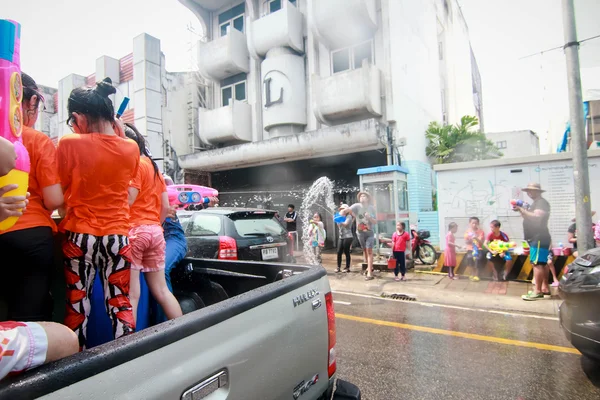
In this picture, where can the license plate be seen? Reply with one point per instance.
(270, 254)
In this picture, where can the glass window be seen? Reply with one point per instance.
(341, 60)
(363, 51)
(257, 226)
(226, 93)
(238, 23)
(233, 16)
(205, 225)
(224, 29)
(274, 5)
(240, 91)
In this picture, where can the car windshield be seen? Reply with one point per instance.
(255, 225)
(184, 220)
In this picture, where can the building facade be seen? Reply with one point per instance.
(516, 143)
(163, 105)
(304, 88)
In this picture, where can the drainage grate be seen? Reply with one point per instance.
(399, 296)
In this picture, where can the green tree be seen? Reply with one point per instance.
(459, 143)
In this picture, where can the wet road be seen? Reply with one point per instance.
(403, 350)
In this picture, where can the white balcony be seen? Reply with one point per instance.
(348, 96)
(341, 23)
(224, 57)
(282, 28)
(229, 124)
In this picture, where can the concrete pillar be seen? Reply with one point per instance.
(108, 67)
(65, 86)
(147, 91)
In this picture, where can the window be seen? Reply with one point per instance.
(205, 225)
(501, 144)
(233, 88)
(259, 226)
(276, 5)
(351, 57)
(232, 17)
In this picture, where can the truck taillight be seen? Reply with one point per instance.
(227, 248)
(331, 361)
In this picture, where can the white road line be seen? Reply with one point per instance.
(344, 303)
(368, 296)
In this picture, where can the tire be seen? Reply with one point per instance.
(427, 254)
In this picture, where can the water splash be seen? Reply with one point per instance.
(321, 189)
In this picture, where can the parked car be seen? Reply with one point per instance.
(236, 234)
(251, 330)
(579, 313)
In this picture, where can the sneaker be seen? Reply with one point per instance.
(403, 278)
(338, 270)
(397, 279)
(346, 270)
(555, 284)
(532, 296)
(369, 278)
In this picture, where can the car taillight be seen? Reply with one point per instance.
(227, 248)
(331, 362)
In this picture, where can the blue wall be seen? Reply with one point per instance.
(420, 197)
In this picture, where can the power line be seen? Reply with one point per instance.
(559, 47)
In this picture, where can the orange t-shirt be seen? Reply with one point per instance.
(146, 208)
(44, 173)
(95, 171)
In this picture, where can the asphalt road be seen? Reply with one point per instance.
(401, 350)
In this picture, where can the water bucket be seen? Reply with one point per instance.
(338, 219)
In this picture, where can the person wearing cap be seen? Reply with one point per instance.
(572, 234)
(536, 232)
(345, 240)
(365, 215)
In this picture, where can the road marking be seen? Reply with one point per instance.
(344, 303)
(512, 314)
(473, 336)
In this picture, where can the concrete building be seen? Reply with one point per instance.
(305, 88)
(163, 105)
(516, 143)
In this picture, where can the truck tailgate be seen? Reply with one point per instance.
(263, 344)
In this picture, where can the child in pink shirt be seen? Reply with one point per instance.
(399, 240)
(450, 250)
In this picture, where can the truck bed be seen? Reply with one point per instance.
(243, 325)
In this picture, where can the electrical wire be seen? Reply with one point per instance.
(559, 47)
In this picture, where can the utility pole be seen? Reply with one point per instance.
(585, 238)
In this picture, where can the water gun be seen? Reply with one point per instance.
(501, 248)
(339, 219)
(11, 115)
(181, 196)
(519, 203)
(475, 250)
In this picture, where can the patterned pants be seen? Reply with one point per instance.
(84, 255)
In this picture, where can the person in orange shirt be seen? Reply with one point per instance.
(28, 247)
(149, 204)
(95, 166)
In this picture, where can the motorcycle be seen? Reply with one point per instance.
(421, 247)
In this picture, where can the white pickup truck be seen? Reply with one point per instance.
(251, 331)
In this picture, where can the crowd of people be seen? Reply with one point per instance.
(116, 219)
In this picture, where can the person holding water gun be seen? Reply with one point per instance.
(96, 165)
(499, 261)
(474, 239)
(30, 242)
(149, 206)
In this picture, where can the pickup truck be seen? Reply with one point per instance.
(251, 331)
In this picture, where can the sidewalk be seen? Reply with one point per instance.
(433, 288)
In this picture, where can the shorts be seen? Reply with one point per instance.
(497, 261)
(23, 346)
(539, 255)
(147, 248)
(366, 239)
(471, 262)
